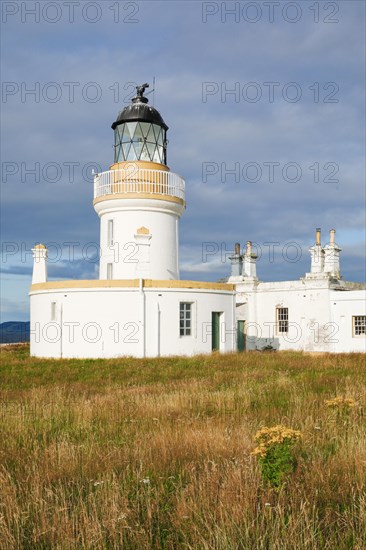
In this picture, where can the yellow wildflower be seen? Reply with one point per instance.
(341, 402)
(266, 437)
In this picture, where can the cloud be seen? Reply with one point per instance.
(171, 42)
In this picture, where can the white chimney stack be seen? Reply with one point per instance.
(236, 262)
(250, 262)
(331, 260)
(317, 254)
(39, 264)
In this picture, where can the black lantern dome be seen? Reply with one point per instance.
(140, 132)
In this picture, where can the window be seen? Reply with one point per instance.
(185, 318)
(359, 325)
(109, 271)
(53, 311)
(110, 232)
(282, 320)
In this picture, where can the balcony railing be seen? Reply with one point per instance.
(138, 180)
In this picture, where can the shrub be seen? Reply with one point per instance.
(276, 454)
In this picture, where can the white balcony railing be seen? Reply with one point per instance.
(138, 180)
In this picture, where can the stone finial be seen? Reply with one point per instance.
(40, 253)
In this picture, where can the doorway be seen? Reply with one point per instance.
(216, 330)
(240, 336)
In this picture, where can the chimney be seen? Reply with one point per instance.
(331, 260)
(250, 262)
(318, 236)
(317, 254)
(236, 262)
(39, 264)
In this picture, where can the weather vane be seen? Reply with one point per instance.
(140, 89)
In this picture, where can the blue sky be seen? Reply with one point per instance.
(273, 91)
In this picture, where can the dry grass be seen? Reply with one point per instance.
(157, 453)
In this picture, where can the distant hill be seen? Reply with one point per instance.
(14, 331)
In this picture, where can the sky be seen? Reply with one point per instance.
(265, 107)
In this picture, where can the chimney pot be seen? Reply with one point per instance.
(237, 248)
(249, 247)
(318, 236)
(332, 236)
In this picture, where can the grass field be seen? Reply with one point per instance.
(156, 453)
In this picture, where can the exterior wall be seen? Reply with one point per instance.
(113, 322)
(320, 319)
(343, 306)
(153, 255)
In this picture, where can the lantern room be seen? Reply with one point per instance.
(140, 132)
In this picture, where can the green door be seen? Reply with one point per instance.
(240, 337)
(215, 330)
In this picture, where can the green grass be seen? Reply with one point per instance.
(156, 453)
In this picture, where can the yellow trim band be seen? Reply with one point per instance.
(131, 283)
(153, 196)
(135, 164)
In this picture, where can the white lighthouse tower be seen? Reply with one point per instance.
(139, 201)
(138, 306)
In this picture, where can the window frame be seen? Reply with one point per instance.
(363, 324)
(185, 330)
(281, 321)
(53, 311)
(110, 232)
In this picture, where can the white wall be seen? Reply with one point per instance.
(112, 322)
(320, 319)
(343, 306)
(128, 215)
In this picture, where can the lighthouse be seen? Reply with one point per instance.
(139, 200)
(138, 306)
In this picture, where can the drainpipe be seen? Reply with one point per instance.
(158, 327)
(142, 316)
(61, 331)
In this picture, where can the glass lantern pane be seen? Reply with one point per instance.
(126, 134)
(138, 136)
(145, 127)
(131, 127)
(116, 136)
(151, 135)
(157, 156)
(144, 155)
(159, 134)
(137, 147)
(151, 150)
(118, 154)
(126, 149)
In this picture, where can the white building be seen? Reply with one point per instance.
(319, 312)
(140, 307)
